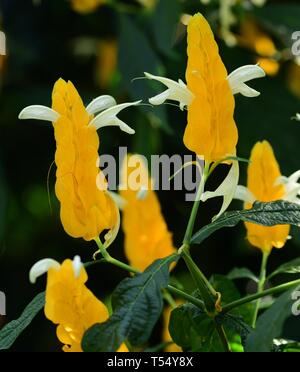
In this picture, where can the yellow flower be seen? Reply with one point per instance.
(86, 6)
(208, 96)
(172, 348)
(86, 207)
(69, 303)
(266, 184)
(146, 234)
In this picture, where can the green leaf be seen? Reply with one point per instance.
(12, 330)
(236, 324)
(230, 293)
(193, 330)
(266, 214)
(292, 267)
(137, 304)
(242, 273)
(270, 324)
(164, 24)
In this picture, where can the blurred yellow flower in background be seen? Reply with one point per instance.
(107, 61)
(86, 6)
(146, 234)
(149, 4)
(254, 38)
(87, 208)
(293, 79)
(69, 303)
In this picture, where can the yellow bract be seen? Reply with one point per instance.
(211, 129)
(85, 209)
(86, 6)
(146, 234)
(72, 306)
(263, 171)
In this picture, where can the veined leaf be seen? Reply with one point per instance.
(267, 214)
(270, 324)
(137, 304)
(12, 330)
(242, 273)
(292, 267)
(193, 330)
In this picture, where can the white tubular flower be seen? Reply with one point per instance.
(38, 112)
(290, 184)
(77, 266)
(109, 118)
(178, 92)
(242, 75)
(292, 187)
(41, 268)
(99, 104)
(244, 194)
(297, 117)
(105, 106)
(227, 189)
(142, 193)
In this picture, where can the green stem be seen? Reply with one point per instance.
(261, 285)
(186, 296)
(122, 265)
(223, 337)
(108, 258)
(207, 292)
(169, 299)
(191, 223)
(278, 289)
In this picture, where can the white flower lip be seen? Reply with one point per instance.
(142, 193)
(41, 268)
(291, 185)
(241, 75)
(244, 194)
(38, 112)
(109, 117)
(100, 103)
(178, 92)
(77, 265)
(227, 189)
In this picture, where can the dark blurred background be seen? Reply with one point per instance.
(101, 51)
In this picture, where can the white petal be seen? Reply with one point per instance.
(298, 117)
(244, 194)
(142, 193)
(109, 118)
(295, 176)
(240, 76)
(42, 267)
(177, 91)
(100, 103)
(118, 199)
(39, 113)
(227, 189)
(112, 234)
(77, 265)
